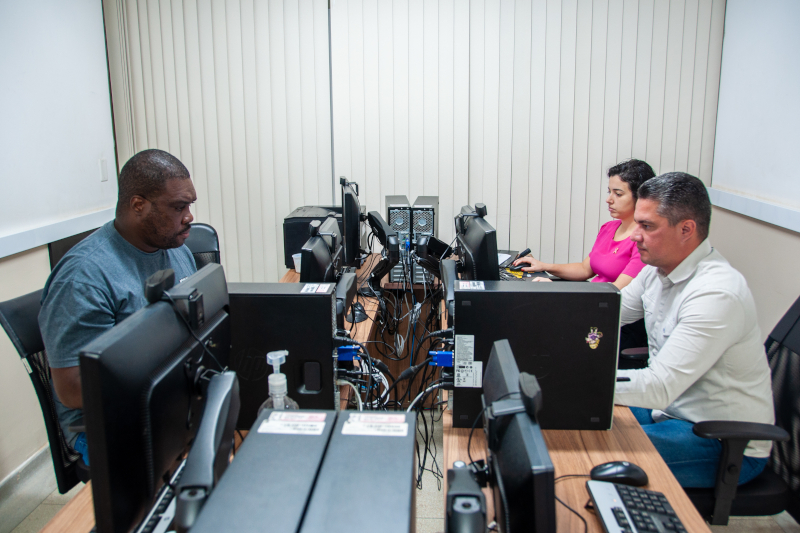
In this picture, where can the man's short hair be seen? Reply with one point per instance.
(680, 196)
(634, 172)
(146, 174)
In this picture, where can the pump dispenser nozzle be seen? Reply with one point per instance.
(276, 380)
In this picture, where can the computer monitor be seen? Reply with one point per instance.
(351, 221)
(321, 255)
(522, 472)
(477, 248)
(142, 402)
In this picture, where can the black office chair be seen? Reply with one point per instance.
(203, 242)
(777, 488)
(20, 319)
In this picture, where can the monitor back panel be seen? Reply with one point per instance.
(268, 484)
(370, 458)
(279, 316)
(564, 333)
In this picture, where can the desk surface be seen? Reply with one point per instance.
(576, 452)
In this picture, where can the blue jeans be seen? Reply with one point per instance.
(692, 459)
(81, 447)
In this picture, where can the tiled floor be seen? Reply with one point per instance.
(430, 508)
(45, 511)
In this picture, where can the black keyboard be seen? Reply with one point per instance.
(624, 509)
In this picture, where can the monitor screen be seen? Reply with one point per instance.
(478, 251)
(523, 482)
(141, 401)
(351, 220)
(321, 255)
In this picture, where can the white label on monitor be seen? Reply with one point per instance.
(324, 287)
(465, 348)
(310, 288)
(471, 285)
(293, 423)
(469, 375)
(375, 425)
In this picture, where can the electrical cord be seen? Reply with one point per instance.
(194, 335)
(576, 513)
(355, 391)
(475, 423)
(425, 393)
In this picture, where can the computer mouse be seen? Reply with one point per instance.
(619, 472)
(516, 268)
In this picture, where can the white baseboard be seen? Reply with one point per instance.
(26, 488)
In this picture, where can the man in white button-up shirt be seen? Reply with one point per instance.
(707, 360)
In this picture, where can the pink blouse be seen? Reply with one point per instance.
(610, 258)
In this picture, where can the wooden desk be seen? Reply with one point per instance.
(576, 452)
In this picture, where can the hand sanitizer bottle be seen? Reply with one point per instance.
(277, 384)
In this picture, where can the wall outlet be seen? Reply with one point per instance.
(103, 169)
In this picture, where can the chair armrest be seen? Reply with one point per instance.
(734, 437)
(78, 426)
(640, 354)
(725, 429)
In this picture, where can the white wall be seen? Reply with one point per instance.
(522, 105)
(766, 255)
(56, 136)
(20, 417)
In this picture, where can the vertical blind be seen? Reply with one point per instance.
(520, 104)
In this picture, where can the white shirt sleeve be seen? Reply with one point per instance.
(708, 324)
(632, 308)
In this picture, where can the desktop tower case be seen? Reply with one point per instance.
(398, 214)
(268, 486)
(564, 333)
(373, 452)
(425, 216)
(298, 317)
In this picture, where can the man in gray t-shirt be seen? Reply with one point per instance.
(100, 282)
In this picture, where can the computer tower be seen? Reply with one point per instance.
(298, 317)
(398, 214)
(564, 333)
(268, 486)
(372, 452)
(425, 216)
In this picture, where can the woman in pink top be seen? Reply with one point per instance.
(614, 257)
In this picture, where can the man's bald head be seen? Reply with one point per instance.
(146, 174)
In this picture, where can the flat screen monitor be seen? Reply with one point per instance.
(321, 255)
(351, 221)
(522, 472)
(141, 403)
(478, 251)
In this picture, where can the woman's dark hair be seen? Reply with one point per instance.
(633, 172)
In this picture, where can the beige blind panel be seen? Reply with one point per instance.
(239, 91)
(520, 104)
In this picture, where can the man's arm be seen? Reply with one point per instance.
(708, 324)
(67, 384)
(73, 314)
(632, 308)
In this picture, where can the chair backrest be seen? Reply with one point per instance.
(203, 242)
(783, 354)
(20, 318)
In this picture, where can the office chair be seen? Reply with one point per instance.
(20, 319)
(777, 488)
(203, 242)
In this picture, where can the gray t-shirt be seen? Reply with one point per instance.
(99, 283)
